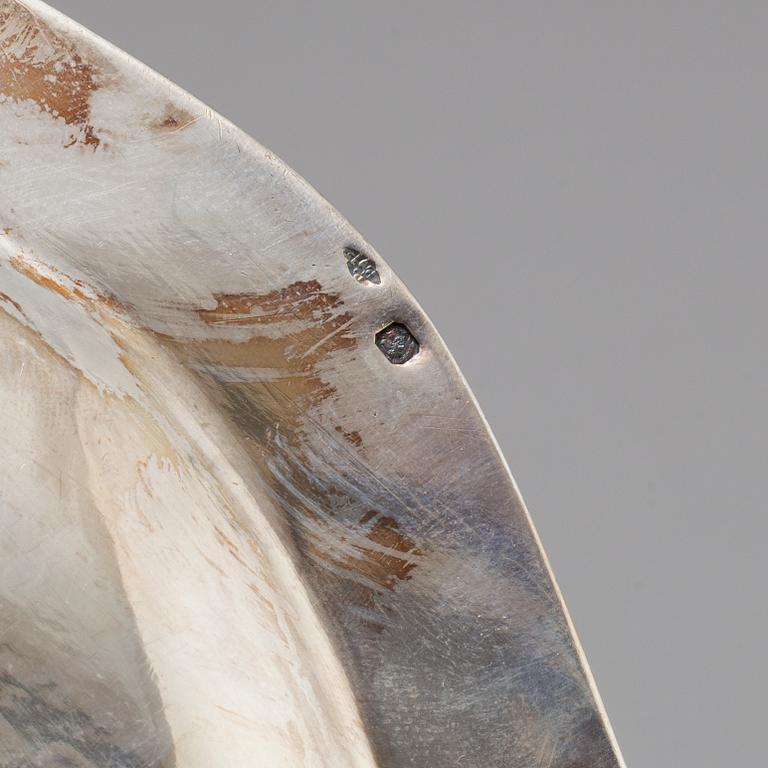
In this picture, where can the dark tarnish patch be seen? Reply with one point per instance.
(39, 65)
(63, 733)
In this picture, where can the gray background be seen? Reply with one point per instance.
(581, 186)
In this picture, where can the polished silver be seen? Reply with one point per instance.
(251, 514)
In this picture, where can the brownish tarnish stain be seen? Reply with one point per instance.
(302, 300)
(385, 567)
(383, 556)
(315, 327)
(215, 567)
(67, 287)
(5, 297)
(281, 382)
(39, 65)
(228, 543)
(87, 137)
(27, 327)
(112, 314)
(352, 437)
(173, 119)
(233, 550)
(293, 330)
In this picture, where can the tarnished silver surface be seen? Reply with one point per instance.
(250, 512)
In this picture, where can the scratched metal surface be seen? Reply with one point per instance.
(251, 513)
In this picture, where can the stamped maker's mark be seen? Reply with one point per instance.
(397, 343)
(361, 267)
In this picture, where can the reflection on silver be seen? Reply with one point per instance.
(233, 533)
